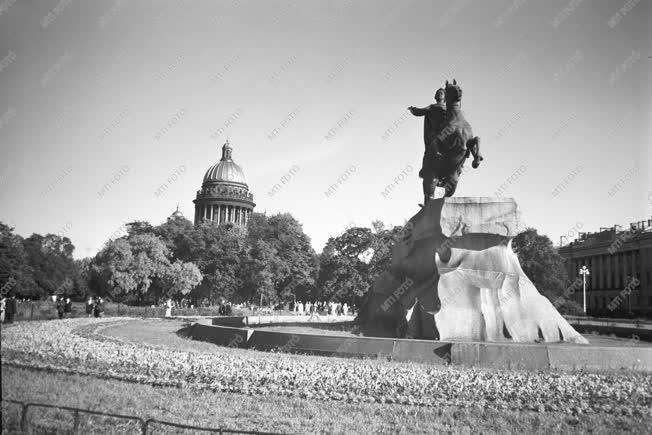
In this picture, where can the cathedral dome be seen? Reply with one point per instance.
(224, 196)
(176, 214)
(226, 170)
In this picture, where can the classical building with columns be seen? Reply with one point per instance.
(224, 195)
(620, 268)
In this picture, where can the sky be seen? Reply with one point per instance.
(113, 111)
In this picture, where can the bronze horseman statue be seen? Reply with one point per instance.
(453, 274)
(448, 141)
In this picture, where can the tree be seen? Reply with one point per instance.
(181, 237)
(139, 228)
(294, 264)
(81, 282)
(218, 252)
(352, 261)
(272, 257)
(344, 274)
(260, 269)
(15, 272)
(541, 263)
(382, 243)
(138, 267)
(52, 266)
(181, 278)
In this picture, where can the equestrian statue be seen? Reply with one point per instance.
(448, 141)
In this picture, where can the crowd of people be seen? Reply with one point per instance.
(94, 306)
(224, 308)
(64, 305)
(331, 308)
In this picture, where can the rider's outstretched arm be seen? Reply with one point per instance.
(417, 111)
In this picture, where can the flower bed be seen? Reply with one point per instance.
(78, 346)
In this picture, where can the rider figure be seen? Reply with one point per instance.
(435, 116)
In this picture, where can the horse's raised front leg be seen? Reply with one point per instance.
(474, 146)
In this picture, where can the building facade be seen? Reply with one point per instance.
(620, 269)
(224, 195)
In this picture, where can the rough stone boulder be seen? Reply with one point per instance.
(454, 276)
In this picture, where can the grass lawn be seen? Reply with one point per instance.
(280, 414)
(201, 407)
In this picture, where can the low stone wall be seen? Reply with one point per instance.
(502, 356)
(618, 327)
(472, 354)
(332, 345)
(423, 351)
(222, 335)
(274, 319)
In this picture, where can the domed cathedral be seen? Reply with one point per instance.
(176, 214)
(224, 195)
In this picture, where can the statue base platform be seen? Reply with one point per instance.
(454, 276)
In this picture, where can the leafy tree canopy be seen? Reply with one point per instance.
(16, 275)
(541, 263)
(132, 266)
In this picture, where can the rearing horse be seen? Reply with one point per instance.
(454, 143)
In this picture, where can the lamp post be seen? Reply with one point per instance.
(584, 271)
(628, 280)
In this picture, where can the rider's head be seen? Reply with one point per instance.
(439, 95)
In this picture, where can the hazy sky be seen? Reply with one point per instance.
(128, 93)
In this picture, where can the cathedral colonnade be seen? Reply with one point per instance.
(222, 213)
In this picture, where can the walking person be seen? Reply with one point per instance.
(3, 304)
(61, 306)
(68, 306)
(10, 309)
(97, 308)
(168, 309)
(89, 306)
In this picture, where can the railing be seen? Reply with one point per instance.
(224, 195)
(134, 424)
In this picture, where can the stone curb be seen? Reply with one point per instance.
(511, 356)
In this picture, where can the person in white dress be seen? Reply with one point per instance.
(168, 309)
